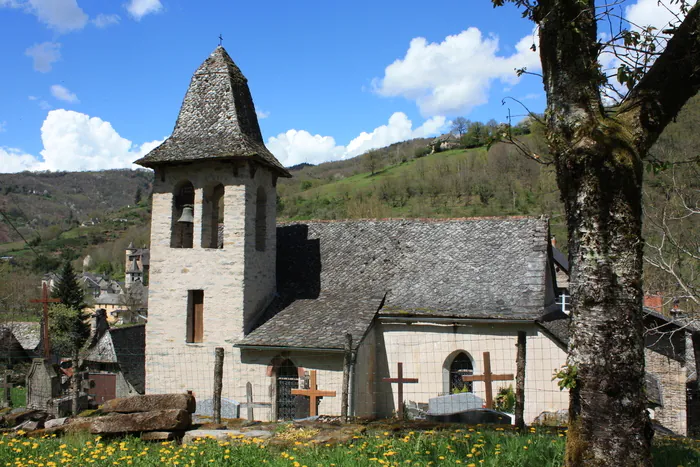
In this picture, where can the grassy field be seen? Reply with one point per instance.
(469, 447)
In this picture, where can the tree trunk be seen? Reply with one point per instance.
(601, 184)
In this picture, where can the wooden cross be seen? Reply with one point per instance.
(400, 381)
(487, 378)
(313, 393)
(46, 300)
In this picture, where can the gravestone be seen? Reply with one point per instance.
(454, 403)
(474, 417)
(43, 385)
(229, 408)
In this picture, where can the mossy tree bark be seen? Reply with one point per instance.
(598, 154)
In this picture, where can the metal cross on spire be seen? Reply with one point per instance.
(221, 39)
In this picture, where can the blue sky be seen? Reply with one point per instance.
(94, 84)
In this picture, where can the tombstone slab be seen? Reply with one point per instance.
(454, 403)
(55, 422)
(150, 402)
(229, 408)
(475, 417)
(160, 420)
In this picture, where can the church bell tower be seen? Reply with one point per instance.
(213, 243)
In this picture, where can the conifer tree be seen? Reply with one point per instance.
(68, 290)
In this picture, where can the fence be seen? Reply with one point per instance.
(438, 373)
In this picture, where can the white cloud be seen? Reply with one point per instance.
(398, 129)
(32, 98)
(452, 77)
(63, 94)
(75, 141)
(140, 8)
(102, 20)
(43, 105)
(60, 15)
(297, 146)
(653, 13)
(262, 114)
(15, 160)
(3, 127)
(44, 55)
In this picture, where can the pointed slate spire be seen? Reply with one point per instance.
(217, 120)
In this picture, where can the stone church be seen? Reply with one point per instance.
(432, 294)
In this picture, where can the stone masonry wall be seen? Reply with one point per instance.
(672, 375)
(172, 364)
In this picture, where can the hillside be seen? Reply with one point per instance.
(36, 201)
(401, 180)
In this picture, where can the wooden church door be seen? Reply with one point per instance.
(287, 379)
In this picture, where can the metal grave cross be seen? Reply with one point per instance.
(400, 381)
(313, 393)
(487, 378)
(46, 300)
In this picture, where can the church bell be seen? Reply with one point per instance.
(187, 216)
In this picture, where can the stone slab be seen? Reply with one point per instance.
(55, 422)
(454, 403)
(160, 420)
(150, 403)
(224, 435)
(229, 408)
(158, 436)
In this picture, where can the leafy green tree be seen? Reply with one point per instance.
(69, 329)
(599, 153)
(137, 196)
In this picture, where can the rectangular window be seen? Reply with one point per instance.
(195, 316)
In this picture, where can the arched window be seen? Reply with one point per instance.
(213, 217)
(260, 219)
(460, 366)
(182, 226)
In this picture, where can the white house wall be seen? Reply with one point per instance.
(424, 348)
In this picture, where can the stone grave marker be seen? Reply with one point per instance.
(43, 385)
(229, 408)
(454, 403)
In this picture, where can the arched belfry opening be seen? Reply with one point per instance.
(458, 364)
(260, 219)
(213, 217)
(182, 226)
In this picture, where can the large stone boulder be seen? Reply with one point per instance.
(224, 435)
(151, 402)
(158, 420)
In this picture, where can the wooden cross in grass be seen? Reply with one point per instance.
(313, 393)
(400, 381)
(46, 300)
(488, 378)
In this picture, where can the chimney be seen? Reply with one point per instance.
(654, 302)
(554, 241)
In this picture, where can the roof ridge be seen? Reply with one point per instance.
(412, 219)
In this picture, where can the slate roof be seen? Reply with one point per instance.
(125, 346)
(217, 120)
(28, 334)
(491, 268)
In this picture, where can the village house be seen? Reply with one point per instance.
(444, 298)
